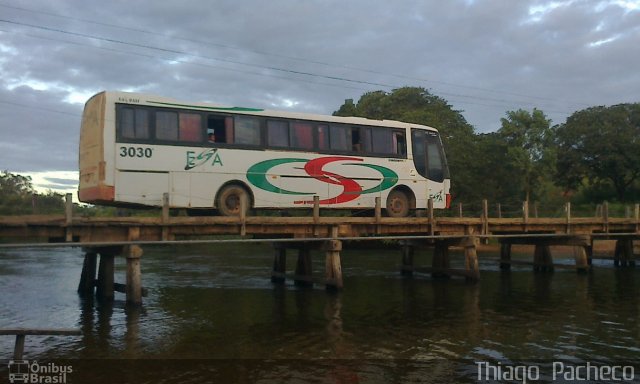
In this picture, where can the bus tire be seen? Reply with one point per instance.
(229, 197)
(398, 204)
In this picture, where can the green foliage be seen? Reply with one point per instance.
(599, 148)
(17, 197)
(530, 153)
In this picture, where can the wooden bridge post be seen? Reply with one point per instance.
(636, 215)
(88, 275)
(505, 256)
(104, 289)
(316, 209)
(440, 263)
(583, 253)
(279, 264)
(542, 259)
(471, 256)
(525, 215)
(304, 268)
(316, 215)
(333, 267)
(68, 211)
(485, 220)
(623, 256)
(407, 250)
(165, 207)
(567, 209)
(243, 214)
(378, 210)
(133, 289)
(165, 216)
(582, 260)
(134, 275)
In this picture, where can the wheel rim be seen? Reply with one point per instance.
(398, 205)
(232, 203)
(229, 203)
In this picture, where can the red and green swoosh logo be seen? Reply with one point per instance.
(257, 175)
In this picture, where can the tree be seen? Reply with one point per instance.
(18, 197)
(530, 152)
(598, 146)
(417, 105)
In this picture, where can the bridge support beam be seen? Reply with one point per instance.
(582, 259)
(408, 251)
(623, 255)
(133, 290)
(471, 258)
(88, 275)
(104, 288)
(542, 259)
(279, 264)
(440, 262)
(505, 256)
(304, 269)
(333, 267)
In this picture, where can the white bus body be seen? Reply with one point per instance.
(136, 147)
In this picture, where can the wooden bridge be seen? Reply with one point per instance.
(109, 237)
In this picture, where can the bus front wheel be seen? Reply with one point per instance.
(398, 204)
(229, 200)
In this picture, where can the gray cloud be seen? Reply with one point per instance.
(485, 56)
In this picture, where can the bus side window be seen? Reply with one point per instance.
(399, 144)
(134, 123)
(247, 130)
(356, 145)
(301, 135)
(365, 140)
(323, 137)
(166, 126)
(338, 137)
(190, 127)
(217, 125)
(278, 133)
(382, 141)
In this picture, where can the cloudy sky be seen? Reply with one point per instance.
(485, 57)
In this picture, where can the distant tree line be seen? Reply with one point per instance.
(592, 157)
(17, 197)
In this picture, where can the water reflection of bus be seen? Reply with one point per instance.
(18, 371)
(136, 147)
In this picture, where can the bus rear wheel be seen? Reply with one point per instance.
(398, 204)
(229, 200)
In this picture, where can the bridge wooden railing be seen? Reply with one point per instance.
(21, 333)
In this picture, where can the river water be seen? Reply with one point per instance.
(212, 315)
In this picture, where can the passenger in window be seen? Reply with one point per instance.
(212, 137)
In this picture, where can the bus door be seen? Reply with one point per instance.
(431, 163)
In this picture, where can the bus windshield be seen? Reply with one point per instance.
(428, 155)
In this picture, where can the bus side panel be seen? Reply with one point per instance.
(180, 189)
(141, 187)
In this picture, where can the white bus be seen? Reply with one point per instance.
(136, 147)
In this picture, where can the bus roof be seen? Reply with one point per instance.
(159, 101)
